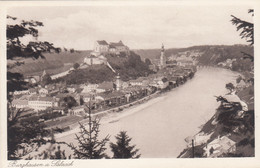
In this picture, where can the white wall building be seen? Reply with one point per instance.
(41, 103)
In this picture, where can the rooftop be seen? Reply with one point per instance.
(113, 44)
(39, 98)
(20, 102)
(106, 85)
(102, 42)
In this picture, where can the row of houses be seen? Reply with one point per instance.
(35, 102)
(132, 90)
(106, 94)
(106, 100)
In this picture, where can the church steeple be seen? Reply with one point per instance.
(162, 58)
(162, 48)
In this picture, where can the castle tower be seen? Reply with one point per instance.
(162, 58)
(118, 82)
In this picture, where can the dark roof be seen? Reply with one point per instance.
(111, 94)
(120, 43)
(102, 42)
(20, 102)
(111, 46)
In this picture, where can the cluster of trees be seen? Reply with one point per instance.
(24, 134)
(17, 49)
(92, 147)
(130, 67)
(97, 74)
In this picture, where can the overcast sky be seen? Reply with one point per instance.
(139, 27)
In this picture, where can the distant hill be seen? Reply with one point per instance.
(211, 54)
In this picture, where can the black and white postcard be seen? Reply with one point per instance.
(129, 84)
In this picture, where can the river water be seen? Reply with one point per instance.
(159, 126)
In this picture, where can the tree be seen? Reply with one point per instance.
(247, 31)
(239, 78)
(90, 147)
(17, 49)
(147, 61)
(24, 134)
(76, 66)
(46, 79)
(122, 148)
(230, 87)
(69, 102)
(72, 50)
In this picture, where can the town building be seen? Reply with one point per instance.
(78, 110)
(21, 92)
(41, 103)
(71, 89)
(89, 88)
(220, 146)
(18, 103)
(43, 91)
(142, 81)
(159, 82)
(100, 47)
(95, 60)
(59, 75)
(33, 79)
(105, 87)
(32, 91)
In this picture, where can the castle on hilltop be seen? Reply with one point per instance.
(102, 47)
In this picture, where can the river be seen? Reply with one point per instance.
(158, 127)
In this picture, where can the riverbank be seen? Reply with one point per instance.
(111, 116)
(230, 131)
(119, 111)
(159, 126)
(155, 125)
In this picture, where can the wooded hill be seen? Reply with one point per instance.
(211, 54)
(130, 67)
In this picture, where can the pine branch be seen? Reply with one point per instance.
(246, 27)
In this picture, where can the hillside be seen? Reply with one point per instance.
(209, 54)
(130, 67)
(53, 63)
(233, 121)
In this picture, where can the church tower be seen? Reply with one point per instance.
(162, 58)
(118, 82)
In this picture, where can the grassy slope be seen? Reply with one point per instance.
(54, 63)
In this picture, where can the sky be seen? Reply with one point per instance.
(139, 27)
